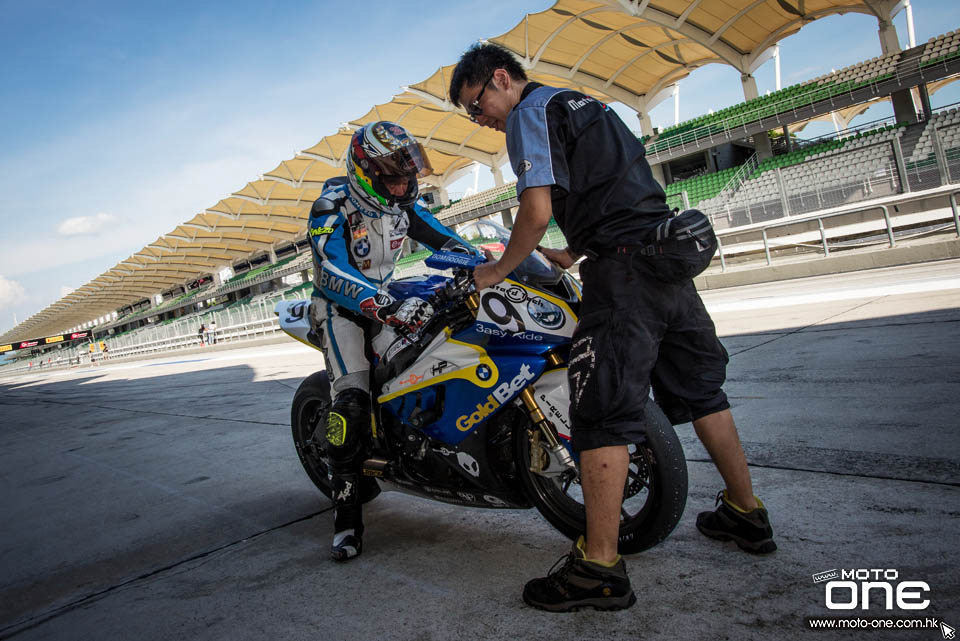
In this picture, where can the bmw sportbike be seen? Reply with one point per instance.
(473, 409)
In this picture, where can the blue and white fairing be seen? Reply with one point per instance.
(459, 380)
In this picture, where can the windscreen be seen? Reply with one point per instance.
(534, 270)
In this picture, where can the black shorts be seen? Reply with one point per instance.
(636, 332)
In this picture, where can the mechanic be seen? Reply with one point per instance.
(576, 161)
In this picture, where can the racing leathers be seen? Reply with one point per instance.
(354, 253)
(354, 256)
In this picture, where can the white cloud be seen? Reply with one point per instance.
(85, 225)
(11, 293)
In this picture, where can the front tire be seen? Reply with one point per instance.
(654, 496)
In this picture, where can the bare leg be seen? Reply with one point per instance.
(718, 433)
(603, 473)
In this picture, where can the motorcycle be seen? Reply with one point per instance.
(473, 409)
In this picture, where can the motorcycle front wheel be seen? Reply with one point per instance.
(654, 495)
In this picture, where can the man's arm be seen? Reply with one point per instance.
(533, 216)
(565, 257)
(428, 231)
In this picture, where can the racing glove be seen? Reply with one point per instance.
(409, 314)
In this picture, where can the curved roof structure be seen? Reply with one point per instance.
(631, 51)
(847, 114)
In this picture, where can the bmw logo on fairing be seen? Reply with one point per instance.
(483, 372)
(362, 247)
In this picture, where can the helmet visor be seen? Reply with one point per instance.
(409, 160)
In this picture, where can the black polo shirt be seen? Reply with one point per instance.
(603, 191)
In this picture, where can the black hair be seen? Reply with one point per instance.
(478, 63)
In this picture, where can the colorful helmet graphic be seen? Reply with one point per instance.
(384, 165)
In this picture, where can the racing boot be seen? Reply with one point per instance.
(347, 419)
(579, 583)
(347, 518)
(749, 529)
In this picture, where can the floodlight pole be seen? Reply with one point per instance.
(910, 32)
(776, 62)
(676, 103)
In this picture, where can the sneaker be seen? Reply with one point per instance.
(346, 545)
(579, 583)
(750, 530)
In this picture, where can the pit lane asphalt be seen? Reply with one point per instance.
(162, 499)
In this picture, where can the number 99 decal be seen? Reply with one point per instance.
(502, 312)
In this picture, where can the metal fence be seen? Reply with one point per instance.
(240, 323)
(831, 181)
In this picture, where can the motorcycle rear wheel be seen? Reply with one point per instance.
(310, 403)
(655, 493)
(307, 412)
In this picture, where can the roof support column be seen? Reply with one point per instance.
(497, 176)
(646, 125)
(762, 139)
(904, 104)
(657, 171)
(889, 43)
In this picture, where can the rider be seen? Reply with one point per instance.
(357, 229)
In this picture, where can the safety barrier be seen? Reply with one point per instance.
(820, 239)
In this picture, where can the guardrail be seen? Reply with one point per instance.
(824, 242)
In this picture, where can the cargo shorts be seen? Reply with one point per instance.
(637, 332)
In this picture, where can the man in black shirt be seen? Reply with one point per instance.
(576, 161)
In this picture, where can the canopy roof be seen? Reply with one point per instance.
(631, 51)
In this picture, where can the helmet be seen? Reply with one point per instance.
(382, 151)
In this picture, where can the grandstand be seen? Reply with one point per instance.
(724, 162)
(849, 86)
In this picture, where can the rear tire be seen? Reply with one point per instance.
(307, 414)
(654, 496)
(310, 403)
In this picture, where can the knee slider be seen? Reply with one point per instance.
(347, 419)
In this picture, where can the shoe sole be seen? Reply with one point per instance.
(765, 546)
(606, 604)
(341, 555)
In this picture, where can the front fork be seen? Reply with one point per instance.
(548, 458)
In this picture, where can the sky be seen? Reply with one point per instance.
(120, 120)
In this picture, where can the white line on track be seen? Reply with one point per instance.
(894, 289)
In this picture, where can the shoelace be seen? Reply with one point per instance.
(557, 575)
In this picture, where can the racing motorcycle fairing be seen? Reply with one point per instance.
(454, 386)
(518, 318)
(294, 319)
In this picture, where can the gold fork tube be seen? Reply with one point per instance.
(537, 416)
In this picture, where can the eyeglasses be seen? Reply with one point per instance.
(474, 110)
